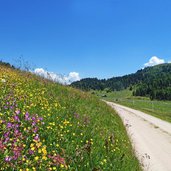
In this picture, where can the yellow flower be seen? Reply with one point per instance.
(62, 166)
(39, 151)
(104, 160)
(66, 122)
(34, 169)
(32, 148)
(48, 127)
(44, 158)
(36, 158)
(38, 144)
(31, 145)
(44, 150)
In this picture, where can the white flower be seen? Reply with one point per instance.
(3, 80)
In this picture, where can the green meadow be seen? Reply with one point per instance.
(47, 126)
(160, 109)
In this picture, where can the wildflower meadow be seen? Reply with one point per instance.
(47, 126)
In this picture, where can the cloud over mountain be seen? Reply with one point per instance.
(154, 60)
(63, 79)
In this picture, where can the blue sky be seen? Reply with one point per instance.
(96, 38)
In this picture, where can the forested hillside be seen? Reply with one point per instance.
(154, 82)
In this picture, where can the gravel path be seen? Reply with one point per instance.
(150, 136)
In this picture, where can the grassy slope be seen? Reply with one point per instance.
(160, 109)
(46, 126)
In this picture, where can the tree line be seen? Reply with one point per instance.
(153, 82)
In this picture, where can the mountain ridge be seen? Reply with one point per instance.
(154, 82)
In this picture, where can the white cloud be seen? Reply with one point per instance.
(154, 60)
(63, 79)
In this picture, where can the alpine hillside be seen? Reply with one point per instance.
(153, 82)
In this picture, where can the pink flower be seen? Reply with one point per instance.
(2, 146)
(17, 112)
(17, 152)
(57, 160)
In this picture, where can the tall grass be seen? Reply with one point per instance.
(46, 126)
(160, 109)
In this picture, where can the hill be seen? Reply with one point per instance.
(46, 126)
(154, 82)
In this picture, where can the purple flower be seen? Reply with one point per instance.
(11, 107)
(31, 152)
(5, 107)
(35, 129)
(9, 125)
(27, 116)
(15, 157)
(34, 123)
(17, 152)
(17, 112)
(6, 134)
(16, 131)
(33, 118)
(36, 137)
(16, 118)
(8, 159)
(15, 140)
(16, 125)
(6, 139)
(40, 118)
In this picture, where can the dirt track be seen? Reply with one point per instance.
(150, 136)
